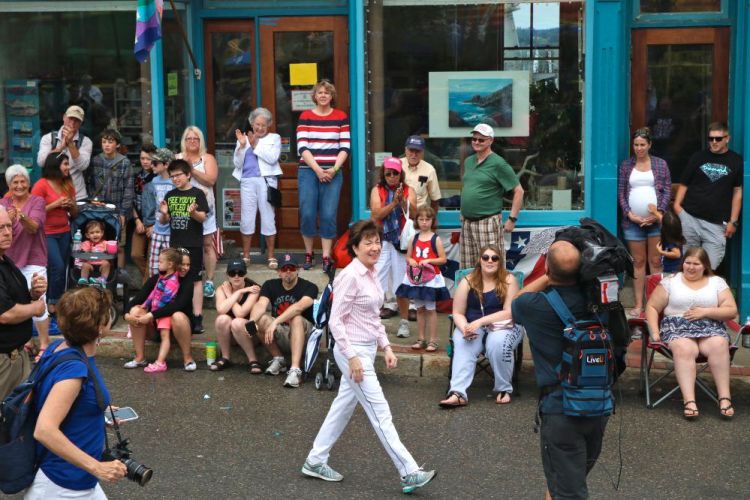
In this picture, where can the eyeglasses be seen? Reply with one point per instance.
(716, 138)
(234, 274)
(478, 139)
(391, 173)
(174, 176)
(192, 139)
(488, 257)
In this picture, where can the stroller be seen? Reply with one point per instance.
(106, 213)
(327, 375)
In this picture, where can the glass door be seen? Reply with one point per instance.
(679, 85)
(296, 52)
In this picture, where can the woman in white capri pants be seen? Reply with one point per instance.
(256, 166)
(481, 313)
(356, 327)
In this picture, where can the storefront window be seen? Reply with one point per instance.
(50, 60)
(665, 6)
(178, 70)
(417, 53)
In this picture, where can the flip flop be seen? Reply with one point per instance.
(690, 413)
(724, 409)
(460, 401)
(502, 395)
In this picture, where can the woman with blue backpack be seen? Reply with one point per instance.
(70, 402)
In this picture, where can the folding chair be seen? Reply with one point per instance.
(650, 349)
(483, 364)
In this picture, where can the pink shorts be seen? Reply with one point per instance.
(164, 323)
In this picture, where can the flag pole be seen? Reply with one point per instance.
(196, 69)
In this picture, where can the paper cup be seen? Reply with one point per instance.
(111, 247)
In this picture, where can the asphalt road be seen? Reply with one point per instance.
(233, 435)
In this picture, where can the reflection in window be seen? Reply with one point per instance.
(83, 58)
(655, 6)
(542, 38)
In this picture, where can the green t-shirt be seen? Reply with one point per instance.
(484, 186)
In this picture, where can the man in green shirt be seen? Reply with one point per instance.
(487, 177)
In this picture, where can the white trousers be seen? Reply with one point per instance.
(28, 273)
(253, 199)
(499, 349)
(44, 489)
(369, 394)
(391, 267)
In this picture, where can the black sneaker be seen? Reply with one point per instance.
(327, 265)
(198, 325)
(307, 265)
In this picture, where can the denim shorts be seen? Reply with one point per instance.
(318, 200)
(635, 232)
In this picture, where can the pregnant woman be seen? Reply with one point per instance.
(643, 180)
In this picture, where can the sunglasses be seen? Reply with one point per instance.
(391, 173)
(183, 251)
(493, 258)
(287, 269)
(478, 139)
(234, 274)
(716, 138)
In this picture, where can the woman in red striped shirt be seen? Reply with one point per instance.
(323, 144)
(356, 327)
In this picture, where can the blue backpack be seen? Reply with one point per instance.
(587, 368)
(18, 460)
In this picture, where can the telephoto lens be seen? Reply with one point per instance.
(137, 472)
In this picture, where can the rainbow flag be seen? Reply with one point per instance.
(147, 27)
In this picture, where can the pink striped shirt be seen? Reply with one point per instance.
(355, 314)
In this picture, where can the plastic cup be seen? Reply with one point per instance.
(210, 353)
(111, 247)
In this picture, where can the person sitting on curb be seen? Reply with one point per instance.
(291, 299)
(235, 299)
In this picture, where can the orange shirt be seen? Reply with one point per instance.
(58, 220)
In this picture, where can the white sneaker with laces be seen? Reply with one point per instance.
(293, 378)
(403, 329)
(276, 366)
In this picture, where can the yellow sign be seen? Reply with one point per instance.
(172, 84)
(303, 74)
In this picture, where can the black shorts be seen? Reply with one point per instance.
(570, 447)
(196, 263)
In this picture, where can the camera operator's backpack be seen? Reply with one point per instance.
(587, 368)
(18, 460)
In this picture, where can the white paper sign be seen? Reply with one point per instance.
(562, 199)
(302, 100)
(380, 157)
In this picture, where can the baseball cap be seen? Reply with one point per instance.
(392, 163)
(415, 142)
(287, 260)
(163, 155)
(484, 130)
(236, 265)
(75, 112)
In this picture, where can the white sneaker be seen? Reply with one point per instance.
(403, 329)
(191, 366)
(135, 364)
(293, 378)
(276, 366)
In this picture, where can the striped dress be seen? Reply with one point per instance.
(324, 136)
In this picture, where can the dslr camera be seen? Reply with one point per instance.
(136, 471)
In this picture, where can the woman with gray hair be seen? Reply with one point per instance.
(256, 166)
(29, 248)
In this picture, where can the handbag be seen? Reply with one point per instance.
(273, 196)
(339, 252)
(408, 232)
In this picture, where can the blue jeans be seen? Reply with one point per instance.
(318, 200)
(58, 253)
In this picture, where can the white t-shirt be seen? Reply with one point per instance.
(682, 297)
(642, 192)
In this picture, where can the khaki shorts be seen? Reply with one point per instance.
(283, 332)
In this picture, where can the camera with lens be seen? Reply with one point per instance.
(137, 472)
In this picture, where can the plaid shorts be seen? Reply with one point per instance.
(478, 234)
(158, 243)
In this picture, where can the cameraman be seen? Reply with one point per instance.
(70, 423)
(570, 445)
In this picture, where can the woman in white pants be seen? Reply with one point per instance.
(481, 313)
(356, 327)
(256, 166)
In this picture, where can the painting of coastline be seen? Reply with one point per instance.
(489, 100)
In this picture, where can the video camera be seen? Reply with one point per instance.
(136, 471)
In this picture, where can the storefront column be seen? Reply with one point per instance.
(157, 94)
(606, 106)
(357, 82)
(741, 143)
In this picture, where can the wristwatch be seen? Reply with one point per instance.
(735, 223)
(513, 219)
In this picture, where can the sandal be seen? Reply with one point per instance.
(220, 364)
(450, 403)
(635, 313)
(273, 263)
(255, 368)
(419, 344)
(726, 409)
(501, 396)
(431, 346)
(690, 413)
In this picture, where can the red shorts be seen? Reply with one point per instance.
(164, 323)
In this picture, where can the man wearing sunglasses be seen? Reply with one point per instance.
(709, 196)
(487, 177)
(291, 299)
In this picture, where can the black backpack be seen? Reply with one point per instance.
(18, 460)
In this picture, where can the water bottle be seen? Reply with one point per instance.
(745, 331)
(77, 237)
